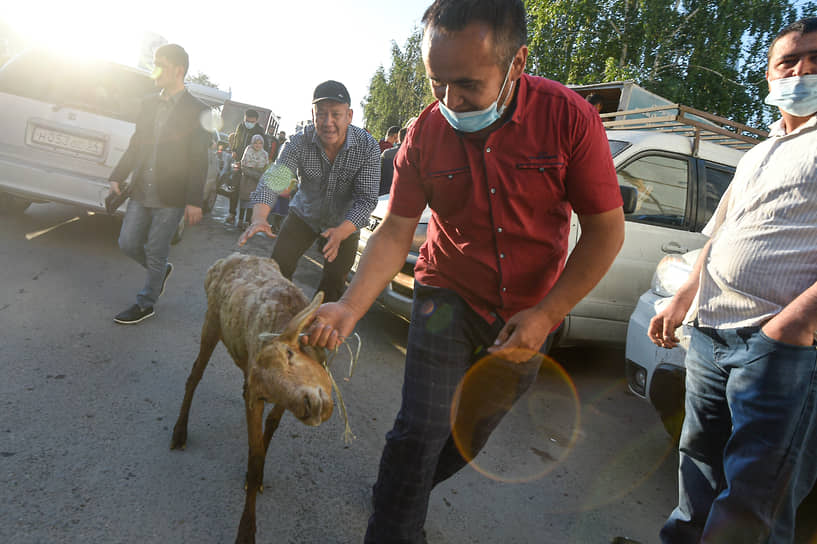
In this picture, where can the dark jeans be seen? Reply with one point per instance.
(446, 337)
(294, 239)
(747, 449)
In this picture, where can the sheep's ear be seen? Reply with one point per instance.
(298, 323)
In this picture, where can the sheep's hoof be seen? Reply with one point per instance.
(179, 440)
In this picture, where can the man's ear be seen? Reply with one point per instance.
(351, 114)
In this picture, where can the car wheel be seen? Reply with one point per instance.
(177, 236)
(210, 201)
(13, 204)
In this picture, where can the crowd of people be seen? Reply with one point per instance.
(502, 269)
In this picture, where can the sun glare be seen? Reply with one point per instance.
(87, 29)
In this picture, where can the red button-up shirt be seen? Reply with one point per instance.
(498, 234)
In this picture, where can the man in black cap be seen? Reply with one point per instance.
(337, 168)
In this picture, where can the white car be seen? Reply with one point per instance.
(65, 125)
(678, 188)
(655, 373)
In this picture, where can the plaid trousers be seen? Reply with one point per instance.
(446, 338)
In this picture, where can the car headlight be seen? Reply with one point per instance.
(672, 271)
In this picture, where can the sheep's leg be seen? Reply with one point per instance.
(273, 419)
(255, 470)
(210, 334)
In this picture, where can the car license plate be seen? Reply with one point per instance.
(71, 142)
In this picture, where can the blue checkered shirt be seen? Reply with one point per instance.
(328, 192)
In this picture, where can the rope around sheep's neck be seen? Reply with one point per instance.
(348, 436)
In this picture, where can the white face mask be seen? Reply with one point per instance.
(474, 121)
(249, 124)
(796, 95)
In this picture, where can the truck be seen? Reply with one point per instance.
(232, 113)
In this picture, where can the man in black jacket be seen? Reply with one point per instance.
(167, 155)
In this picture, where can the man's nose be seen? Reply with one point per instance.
(805, 66)
(451, 98)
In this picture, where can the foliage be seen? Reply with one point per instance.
(202, 79)
(704, 53)
(400, 94)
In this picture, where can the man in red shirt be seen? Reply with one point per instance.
(501, 158)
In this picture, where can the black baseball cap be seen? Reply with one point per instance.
(331, 90)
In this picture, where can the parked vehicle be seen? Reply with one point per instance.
(655, 373)
(679, 178)
(66, 124)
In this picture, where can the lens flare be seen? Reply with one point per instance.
(277, 178)
(211, 120)
(542, 426)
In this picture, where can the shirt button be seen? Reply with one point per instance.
(488, 150)
(493, 191)
(501, 255)
(504, 289)
(450, 176)
(499, 229)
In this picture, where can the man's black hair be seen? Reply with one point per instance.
(175, 54)
(251, 113)
(402, 134)
(595, 99)
(806, 25)
(392, 130)
(505, 17)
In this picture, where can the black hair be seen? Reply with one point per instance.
(251, 113)
(595, 99)
(806, 25)
(175, 54)
(401, 135)
(505, 17)
(392, 130)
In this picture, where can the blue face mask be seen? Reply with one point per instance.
(795, 95)
(248, 124)
(474, 121)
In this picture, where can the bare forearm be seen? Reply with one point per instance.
(260, 212)
(797, 321)
(686, 293)
(385, 254)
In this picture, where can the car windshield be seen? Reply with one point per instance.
(96, 87)
(617, 146)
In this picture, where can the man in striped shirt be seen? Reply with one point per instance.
(747, 449)
(337, 167)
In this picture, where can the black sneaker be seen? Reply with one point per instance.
(168, 272)
(133, 315)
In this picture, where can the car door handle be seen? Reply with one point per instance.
(673, 247)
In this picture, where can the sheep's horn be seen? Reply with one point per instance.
(297, 323)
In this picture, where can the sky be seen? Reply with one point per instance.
(268, 53)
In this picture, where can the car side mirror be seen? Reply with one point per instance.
(630, 197)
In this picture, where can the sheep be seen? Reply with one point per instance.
(247, 300)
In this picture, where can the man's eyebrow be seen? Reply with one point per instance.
(461, 81)
(796, 55)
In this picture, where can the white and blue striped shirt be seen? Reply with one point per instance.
(764, 233)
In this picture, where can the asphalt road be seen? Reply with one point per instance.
(88, 407)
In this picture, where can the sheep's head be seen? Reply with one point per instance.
(287, 373)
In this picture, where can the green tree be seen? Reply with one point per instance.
(202, 79)
(402, 92)
(704, 53)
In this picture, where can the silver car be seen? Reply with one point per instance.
(66, 124)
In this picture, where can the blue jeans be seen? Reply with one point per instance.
(747, 449)
(446, 337)
(145, 237)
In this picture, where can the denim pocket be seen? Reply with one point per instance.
(783, 345)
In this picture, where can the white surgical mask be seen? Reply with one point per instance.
(474, 121)
(796, 95)
(248, 124)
